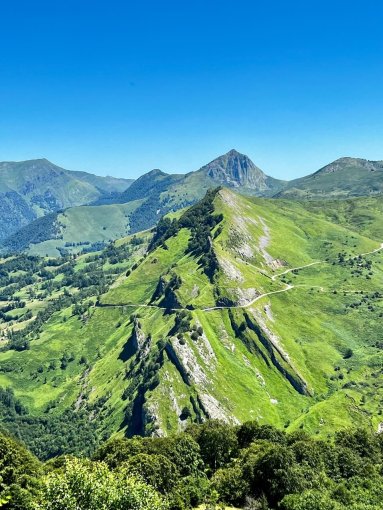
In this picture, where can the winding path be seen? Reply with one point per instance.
(250, 303)
(373, 251)
(274, 276)
(257, 298)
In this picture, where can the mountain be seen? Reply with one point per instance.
(236, 308)
(31, 189)
(156, 193)
(155, 181)
(164, 192)
(345, 177)
(138, 207)
(235, 170)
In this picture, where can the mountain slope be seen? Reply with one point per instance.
(30, 189)
(345, 177)
(74, 230)
(169, 192)
(242, 308)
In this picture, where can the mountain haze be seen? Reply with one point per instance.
(31, 189)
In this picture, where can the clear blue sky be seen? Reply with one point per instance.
(121, 87)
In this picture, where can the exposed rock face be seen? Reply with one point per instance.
(234, 169)
(140, 342)
(150, 420)
(214, 410)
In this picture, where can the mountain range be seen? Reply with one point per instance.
(47, 210)
(32, 189)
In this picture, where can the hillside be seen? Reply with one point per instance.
(344, 178)
(77, 229)
(31, 189)
(243, 308)
(163, 192)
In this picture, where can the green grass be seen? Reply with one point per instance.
(87, 224)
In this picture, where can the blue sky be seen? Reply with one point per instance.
(121, 87)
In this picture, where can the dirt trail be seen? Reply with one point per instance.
(207, 309)
(250, 303)
(274, 276)
(373, 251)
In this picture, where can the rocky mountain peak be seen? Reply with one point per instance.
(235, 169)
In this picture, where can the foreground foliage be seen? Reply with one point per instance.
(250, 466)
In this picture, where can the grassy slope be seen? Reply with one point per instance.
(226, 373)
(361, 214)
(70, 188)
(89, 224)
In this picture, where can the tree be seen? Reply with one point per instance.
(185, 413)
(84, 485)
(310, 500)
(18, 474)
(247, 433)
(277, 474)
(181, 449)
(218, 443)
(117, 451)
(230, 485)
(360, 441)
(156, 470)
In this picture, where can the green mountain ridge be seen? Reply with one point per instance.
(237, 308)
(344, 178)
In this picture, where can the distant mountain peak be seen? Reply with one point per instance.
(42, 160)
(349, 163)
(235, 169)
(234, 153)
(156, 172)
